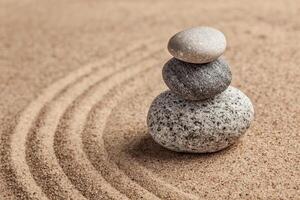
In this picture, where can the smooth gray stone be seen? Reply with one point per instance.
(199, 126)
(197, 81)
(197, 45)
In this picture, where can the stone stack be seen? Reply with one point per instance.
(200, 113)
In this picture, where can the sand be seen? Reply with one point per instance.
(77, 79)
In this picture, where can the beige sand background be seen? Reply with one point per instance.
(77, 78)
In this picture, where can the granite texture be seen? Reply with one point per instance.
(197, 81)
(199, 126)
(197, 45)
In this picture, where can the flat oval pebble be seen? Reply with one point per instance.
(197, 45)
(197, 81)
(199, 126)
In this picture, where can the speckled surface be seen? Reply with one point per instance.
(199, 126)
(197, 45)
(197, 81)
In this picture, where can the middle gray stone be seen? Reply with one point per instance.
(197, 81)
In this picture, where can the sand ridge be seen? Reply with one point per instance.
(19, 139)
(76, 84)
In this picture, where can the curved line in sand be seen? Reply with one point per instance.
(43, 164)
(68, 139)
(17, 148)
(56, 113)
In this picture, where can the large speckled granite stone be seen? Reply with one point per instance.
(199, 126)
(197, 45)
(197, 81)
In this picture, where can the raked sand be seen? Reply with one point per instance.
(77, 79)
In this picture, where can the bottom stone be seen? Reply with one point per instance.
(199, 126)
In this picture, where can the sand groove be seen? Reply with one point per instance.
(68, 141)
(42, 161)
(152, 183)
(17, 160)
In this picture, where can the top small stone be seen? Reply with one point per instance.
(197, 45)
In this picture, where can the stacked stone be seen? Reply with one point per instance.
(201, 112)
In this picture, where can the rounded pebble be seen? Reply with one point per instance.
(197, 45)
(199, 126)
(197, 81)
